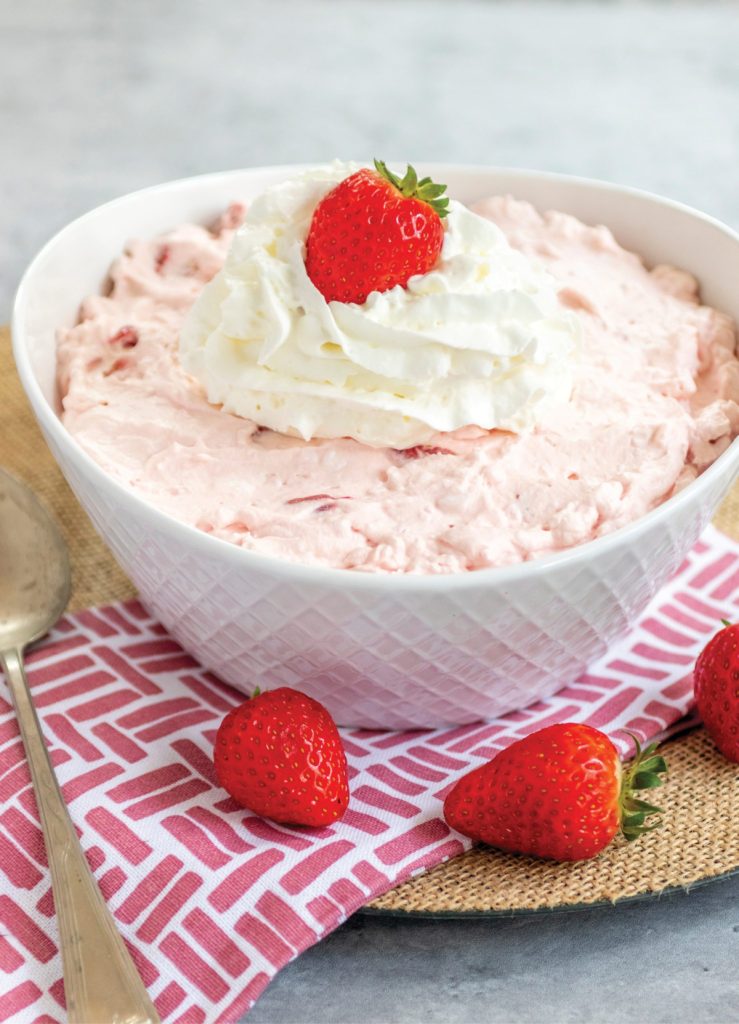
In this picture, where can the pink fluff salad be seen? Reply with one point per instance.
(654, 403)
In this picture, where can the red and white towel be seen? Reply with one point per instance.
(212, 900)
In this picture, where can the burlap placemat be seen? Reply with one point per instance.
(700, 837)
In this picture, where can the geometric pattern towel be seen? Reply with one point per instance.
(211, 900)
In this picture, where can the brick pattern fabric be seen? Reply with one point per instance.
(213, 900)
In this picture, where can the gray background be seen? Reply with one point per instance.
(98, 98)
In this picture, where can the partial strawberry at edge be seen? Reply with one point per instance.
(560, 793)
(280, 755)
(716, 684)
(374, 231)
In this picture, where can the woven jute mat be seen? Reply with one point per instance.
(700, 836)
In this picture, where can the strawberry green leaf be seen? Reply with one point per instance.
(646, 780)
(633, 832)
(637, 818)
(409, 184)
(643, 806)
(430, 191)
(382, 168)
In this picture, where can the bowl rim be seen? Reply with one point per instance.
(331, 576)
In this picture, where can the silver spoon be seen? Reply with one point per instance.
(101, 983)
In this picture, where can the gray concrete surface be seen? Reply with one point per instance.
(99, 98)
(662, 962)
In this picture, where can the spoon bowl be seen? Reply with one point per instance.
(35, 577)
(101, 983)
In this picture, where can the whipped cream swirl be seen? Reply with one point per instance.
(480, 340)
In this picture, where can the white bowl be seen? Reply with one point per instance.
(378, 650)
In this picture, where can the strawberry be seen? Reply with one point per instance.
(559, 793)
(716, 684)
(280, 755)
(373, 231)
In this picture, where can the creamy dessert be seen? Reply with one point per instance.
(536, 388)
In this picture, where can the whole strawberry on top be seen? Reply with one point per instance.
(280, 755)
(559, 793)
(373, 231)
(716, 684)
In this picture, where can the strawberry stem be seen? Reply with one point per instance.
(643, 773)
(409, 186)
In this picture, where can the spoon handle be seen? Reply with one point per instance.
(101, 983)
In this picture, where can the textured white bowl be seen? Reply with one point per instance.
(379, 651)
